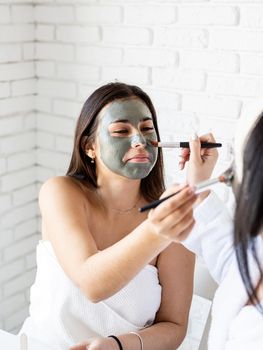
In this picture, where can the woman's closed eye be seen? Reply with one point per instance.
(121, 131)
(146, 126)
(147, 129)
(144, 130)
(126, 129)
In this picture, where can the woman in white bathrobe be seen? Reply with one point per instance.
(234, 255)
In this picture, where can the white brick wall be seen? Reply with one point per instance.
(18, 193)
(200, 61)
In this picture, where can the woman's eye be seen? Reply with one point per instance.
(147, 128)
(123, 131)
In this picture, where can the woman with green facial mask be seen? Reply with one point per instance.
(110, 276)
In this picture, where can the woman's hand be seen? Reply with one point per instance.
(173, 219)
(97, 344)
(201, 160)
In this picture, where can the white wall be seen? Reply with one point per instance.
(200, 61)
(18, 191)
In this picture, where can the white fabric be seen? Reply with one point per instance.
(212, 236)
(246, 330)
(212, 239)
(10, 341)
(61, 315)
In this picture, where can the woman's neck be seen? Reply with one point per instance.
(120, 193)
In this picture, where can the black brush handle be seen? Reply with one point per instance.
(203, 145)
(155, 204)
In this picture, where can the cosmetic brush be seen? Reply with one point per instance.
(226, 177)
(183, 144)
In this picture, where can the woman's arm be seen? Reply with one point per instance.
(176, 271)
(176, 268)
(102, 274)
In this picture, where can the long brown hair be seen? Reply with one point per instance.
(80, 165)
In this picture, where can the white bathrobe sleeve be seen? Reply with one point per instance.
(212, 236)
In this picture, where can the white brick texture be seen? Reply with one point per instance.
(54, 14)
(150, 14)
(16, 33)
(79, 34)
(99, 14)
(17, 158)
(199, 60)
(208, 15)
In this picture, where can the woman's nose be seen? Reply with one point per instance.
(137, 141)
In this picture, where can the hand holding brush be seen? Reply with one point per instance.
(226, 177)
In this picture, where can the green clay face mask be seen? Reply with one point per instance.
(125, 132)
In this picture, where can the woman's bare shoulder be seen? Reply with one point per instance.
(61, 188)
(58, 183)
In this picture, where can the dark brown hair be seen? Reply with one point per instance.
(80, 166)
(249, 215)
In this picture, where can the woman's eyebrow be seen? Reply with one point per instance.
(120, 121)
(146, 118)
(128, 121)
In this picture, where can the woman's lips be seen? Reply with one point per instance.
(139, 158)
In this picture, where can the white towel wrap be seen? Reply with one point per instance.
(61, 315)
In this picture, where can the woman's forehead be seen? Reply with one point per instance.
(132, 109)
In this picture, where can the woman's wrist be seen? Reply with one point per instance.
(139, 338)
(131, 341)
(155, 237)
(117, 342)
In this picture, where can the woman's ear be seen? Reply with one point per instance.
(90, 153)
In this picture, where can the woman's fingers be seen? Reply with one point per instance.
(184, 234)
(177, 230)
(173, 189)
(208, 152)
(179, 215)
(207, 138)
(172, 204)
(198, 154)
(195, 148)
(202, 160)
(184, 157)
(195, 153)
(173, 218)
